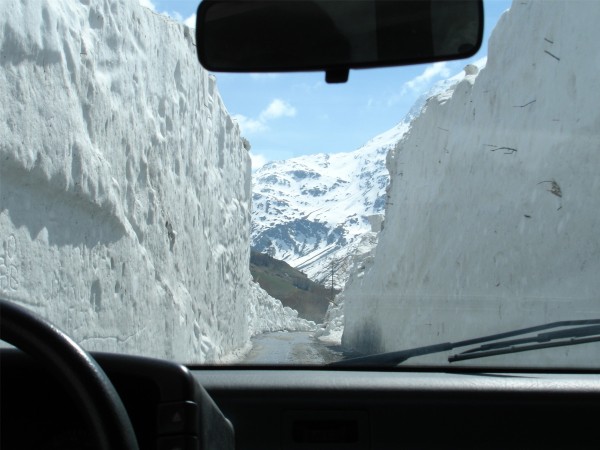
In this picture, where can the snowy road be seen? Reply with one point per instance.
(290, 348)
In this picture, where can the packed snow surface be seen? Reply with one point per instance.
(124, 185)
(493, 217)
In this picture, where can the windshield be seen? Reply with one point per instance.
(150, 207)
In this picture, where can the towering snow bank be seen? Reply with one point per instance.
(124, 185)
(332, 328)
(493, 217)
(268, 314)
(360, 255)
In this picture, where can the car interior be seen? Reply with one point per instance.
(55, 395)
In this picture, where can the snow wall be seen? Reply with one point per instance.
(493, 218)
(124, 184)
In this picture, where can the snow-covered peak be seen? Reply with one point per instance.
(310, 211)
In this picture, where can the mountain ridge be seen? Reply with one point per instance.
(310, 211)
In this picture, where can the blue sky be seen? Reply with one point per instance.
(288, 115)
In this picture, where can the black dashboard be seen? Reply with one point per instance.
(168, 408)
(173, 407)
(319, 409)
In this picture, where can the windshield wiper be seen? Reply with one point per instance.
(570, 336)
(578, 332)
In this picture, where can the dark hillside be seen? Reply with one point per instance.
(291, 286)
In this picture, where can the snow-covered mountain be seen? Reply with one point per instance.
(310, 211)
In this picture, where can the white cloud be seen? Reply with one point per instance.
(420, 82)
(277, 108)
(249, 125)
(147, 4)
(190, 21)
(258, 161)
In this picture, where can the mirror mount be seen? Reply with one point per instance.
(334, 76)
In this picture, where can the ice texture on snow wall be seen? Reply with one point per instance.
(124, 184)
(493, 217)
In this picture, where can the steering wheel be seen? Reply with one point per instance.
(77, 371)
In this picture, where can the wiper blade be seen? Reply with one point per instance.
(394, 358)
(578, 328)
(562, 338)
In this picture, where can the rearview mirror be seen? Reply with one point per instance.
(334, 35)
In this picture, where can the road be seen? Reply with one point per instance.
(298, 347)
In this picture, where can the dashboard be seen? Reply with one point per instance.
(168, 408)
(174, 407)
(319, 409)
